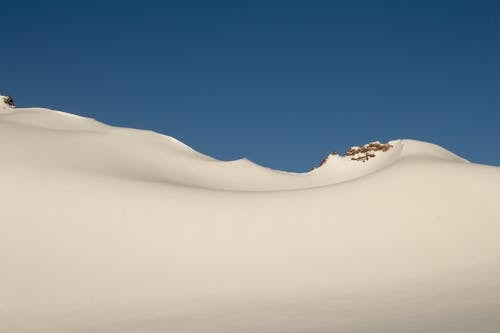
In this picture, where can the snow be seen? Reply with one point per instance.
(106, 229)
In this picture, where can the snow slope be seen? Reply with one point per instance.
(106, 229)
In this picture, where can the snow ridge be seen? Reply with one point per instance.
(97, 148)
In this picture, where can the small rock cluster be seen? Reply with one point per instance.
(9, 101)
(366, 152)
(323, 161)
(362, 154)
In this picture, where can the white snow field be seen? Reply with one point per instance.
(116, 230)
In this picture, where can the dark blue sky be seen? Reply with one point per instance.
(282, 83)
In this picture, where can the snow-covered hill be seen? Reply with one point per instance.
(106, 229)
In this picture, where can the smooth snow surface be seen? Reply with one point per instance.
(107, 230)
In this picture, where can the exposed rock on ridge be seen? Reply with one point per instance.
(361, 154)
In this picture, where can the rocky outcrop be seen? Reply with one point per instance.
(366, 152)
(361, 154)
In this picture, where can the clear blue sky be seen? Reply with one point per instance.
(282, 83)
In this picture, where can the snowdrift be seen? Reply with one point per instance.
(106, 229)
